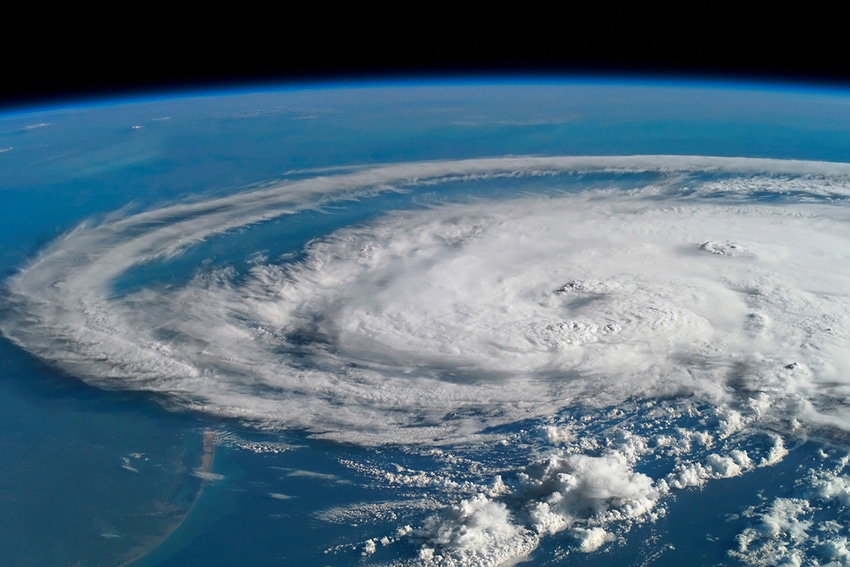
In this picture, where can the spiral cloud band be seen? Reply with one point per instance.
(722, 278)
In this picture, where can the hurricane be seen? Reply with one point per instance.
(622, 328)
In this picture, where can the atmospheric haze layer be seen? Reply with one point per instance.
(653, 322)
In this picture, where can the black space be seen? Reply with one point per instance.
(58, 59)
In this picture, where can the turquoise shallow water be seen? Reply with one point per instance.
(97, 476)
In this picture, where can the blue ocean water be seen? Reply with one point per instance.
(104, 476)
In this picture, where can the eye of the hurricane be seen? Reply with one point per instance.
(502, 308)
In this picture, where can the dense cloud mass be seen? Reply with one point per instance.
(721, 281)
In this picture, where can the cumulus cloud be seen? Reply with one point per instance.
(564, 492)
(805, 528)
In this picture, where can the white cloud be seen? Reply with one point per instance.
(574, 492)
(477, 531)
(804, 529)
(592, 538)
(439, 323)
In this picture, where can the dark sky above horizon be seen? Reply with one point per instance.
(65, 57)
(84, 69)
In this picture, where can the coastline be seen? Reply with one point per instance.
(203, 474)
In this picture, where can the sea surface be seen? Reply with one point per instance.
(549, 322)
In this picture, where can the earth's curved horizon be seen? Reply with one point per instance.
(455, 324)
